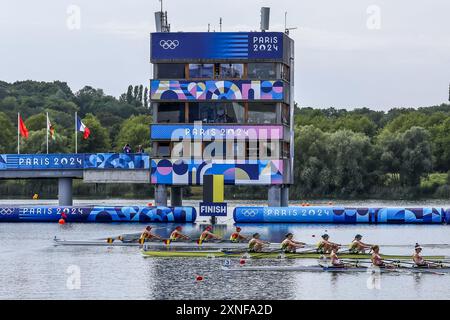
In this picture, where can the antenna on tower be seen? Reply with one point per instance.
(209, 26)
(265, 15)
(286, 29)
(162, 24)
(220, 24)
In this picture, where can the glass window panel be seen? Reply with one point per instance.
(170, 71)
(163, 149)
(171, 113)
(201, 71)
(285, 114)
(231, 70)
(224, 112)
(285, 73)
(262, 113)
(263, 71)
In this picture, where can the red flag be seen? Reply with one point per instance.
(22, 128)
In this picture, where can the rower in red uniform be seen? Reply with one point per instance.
(420, 262)
(148, 235)
(177, 235)
(208, 235)
(335, 261)
(237, 236)
(377, 261)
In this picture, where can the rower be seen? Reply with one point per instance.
(237, 236)
(420, 262)
(376, 259)
(208, 235)
(177, 235)
(256, 244)
(147, 234)
(358, 246)
(325, 245)
(335, 261)
(289, 245)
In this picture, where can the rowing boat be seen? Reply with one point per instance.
(158, 244)
(335, 269)
(265, 255)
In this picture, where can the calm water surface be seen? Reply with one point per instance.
(32, 268)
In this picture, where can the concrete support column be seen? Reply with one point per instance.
(65, 192)
(176, 196)
(285, 196)
(161, 195)
(274, 196)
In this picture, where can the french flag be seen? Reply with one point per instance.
(82, 128)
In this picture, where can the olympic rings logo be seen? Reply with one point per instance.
(6, 211)
(249, 212)
(169, 44)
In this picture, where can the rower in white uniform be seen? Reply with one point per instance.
(420, 262)
(335, 261)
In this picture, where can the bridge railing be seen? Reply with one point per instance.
(78, 161)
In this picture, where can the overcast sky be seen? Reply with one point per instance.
(349, 53)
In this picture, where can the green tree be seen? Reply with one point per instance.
(140, 95)
(36, 122)
(130, 94)
(7, 135)
(146, 97)
(351, 162)
(407, 155)
(135, 131)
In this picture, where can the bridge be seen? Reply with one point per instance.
(91, 167)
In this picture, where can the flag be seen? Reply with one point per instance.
(82, 128)
(22, 128)
(50, 128)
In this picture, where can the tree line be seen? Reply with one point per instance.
(402, 153)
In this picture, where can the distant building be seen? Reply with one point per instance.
(222, 104)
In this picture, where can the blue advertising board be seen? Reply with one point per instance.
(213, 209)
(340, 215)
(74, 161)
(222, 132)
(216, 45)
(41, 161)
(97, 214)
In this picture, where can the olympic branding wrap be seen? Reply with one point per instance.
(341, 215)
(98, 214)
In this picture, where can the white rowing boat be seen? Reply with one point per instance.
(336, 269)
(157, 244)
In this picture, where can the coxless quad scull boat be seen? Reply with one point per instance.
(335, 269)
(158, 244)
(265, 255)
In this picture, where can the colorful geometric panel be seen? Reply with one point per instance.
(340, 215)
(190, 172)
(183, 90)
(98, 214)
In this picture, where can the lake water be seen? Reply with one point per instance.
(32, 268)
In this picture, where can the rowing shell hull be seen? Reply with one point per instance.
(266, 255)
(186, 245)
(331, 269)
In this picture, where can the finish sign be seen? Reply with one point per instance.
(213, 209)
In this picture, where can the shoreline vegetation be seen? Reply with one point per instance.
(403, 153)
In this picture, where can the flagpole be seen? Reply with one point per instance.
(47, 132)
(76, 135)
(18, 133)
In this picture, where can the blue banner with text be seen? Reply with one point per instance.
(216, 45)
